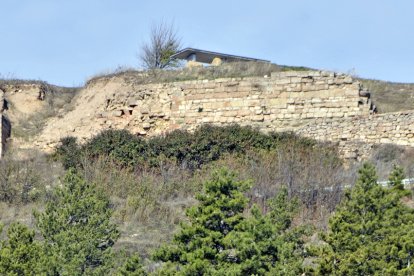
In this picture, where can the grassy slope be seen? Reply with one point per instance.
(390, 96)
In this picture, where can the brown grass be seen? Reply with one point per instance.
(226, 70)
(150, 203)
(390, 96)
(385, 156)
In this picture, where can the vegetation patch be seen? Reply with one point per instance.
(189, 150)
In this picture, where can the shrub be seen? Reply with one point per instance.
(68, 152)
(120, 145)
(189, 150)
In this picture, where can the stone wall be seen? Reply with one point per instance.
(281, 102)
(357, 135)
(321, 105)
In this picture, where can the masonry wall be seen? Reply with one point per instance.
(321, 105)
(281, 102)
(358, 134)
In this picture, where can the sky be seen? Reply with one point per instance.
(65, 42)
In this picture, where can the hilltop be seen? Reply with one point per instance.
(144, 103)
(148, 140)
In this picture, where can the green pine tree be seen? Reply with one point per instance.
(220, 240)
(396, 178)
(131, 267)
(20, 254)
(196, 248)
(371, 232)
(77, 230)
(290, 245)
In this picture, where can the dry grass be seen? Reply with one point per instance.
(150, 203)
(27, 180)
(226, 70)
(390, 96)
(385, 156)
(30, 125)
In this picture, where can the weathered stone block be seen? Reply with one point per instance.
(257, 118)
(117, 113)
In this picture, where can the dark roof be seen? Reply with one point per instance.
(208, 56)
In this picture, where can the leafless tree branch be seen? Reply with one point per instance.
(164, 42)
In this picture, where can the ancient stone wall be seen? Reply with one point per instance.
(281, 102)
(357, 135)
(321, 105)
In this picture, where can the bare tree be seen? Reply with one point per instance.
(164, 42)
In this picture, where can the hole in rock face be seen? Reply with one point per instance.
(200, 109)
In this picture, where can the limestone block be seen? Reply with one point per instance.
(311, 73)
(144, 109)
(117, 113)
(282, 81)
(252, 103)
(222, 119)
(207, 120)
(290, 74)
(257, 118)
(291, 108)
(132, 102)
(237, 103)
(328, 74)
(348, 80)
(277, 103)
(294, 89)
(316, 100)
(295, 80)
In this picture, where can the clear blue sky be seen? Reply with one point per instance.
(65, 42)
